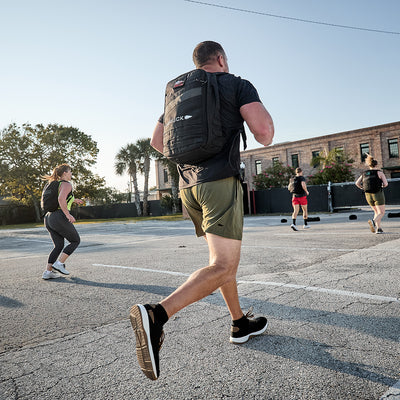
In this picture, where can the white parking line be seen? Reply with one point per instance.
(302, 248)
(160, 271)
(334, 232)
(325, 290)
(393, 393)
(266, 283)
(319, 248)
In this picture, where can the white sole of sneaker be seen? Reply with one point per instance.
(144, 350)
(61, 271)
(52, 277)
(244, 339)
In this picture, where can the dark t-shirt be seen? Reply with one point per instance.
(234, 93)
(298, 187)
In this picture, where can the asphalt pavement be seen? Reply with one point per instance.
(330, 293)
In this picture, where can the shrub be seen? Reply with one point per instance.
(276, 176)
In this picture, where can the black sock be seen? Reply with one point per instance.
(160, 314)
(240, 322)
(305, 221)
(294, 221)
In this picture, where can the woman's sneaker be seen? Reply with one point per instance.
(372, 226)
(294, 227)
(50, 275)
(247, 327)
(60, 267)
(379, 230)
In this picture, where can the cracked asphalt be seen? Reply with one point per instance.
(330, 293)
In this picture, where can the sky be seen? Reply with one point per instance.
(102, 65)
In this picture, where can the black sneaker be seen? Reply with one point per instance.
(149, 339)
(248, 328)
(372, 227)
(379, 230)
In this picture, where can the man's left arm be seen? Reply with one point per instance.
(304, 186)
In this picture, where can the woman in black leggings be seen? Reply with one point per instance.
(59, 223)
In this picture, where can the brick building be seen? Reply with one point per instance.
(381, 141)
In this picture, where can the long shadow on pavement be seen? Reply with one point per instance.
(297, 349)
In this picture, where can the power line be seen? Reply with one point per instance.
(293, 19)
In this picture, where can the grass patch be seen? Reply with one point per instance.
(174, 217)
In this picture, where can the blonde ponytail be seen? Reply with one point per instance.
(57, 173)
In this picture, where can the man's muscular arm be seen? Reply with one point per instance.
(157, 138)
(259, 122)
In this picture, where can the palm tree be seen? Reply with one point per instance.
(336, 155)
(127, 159)
(146, 152)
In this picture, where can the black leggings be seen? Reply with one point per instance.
(60, 228)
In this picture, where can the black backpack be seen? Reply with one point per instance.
(371, 181)
(49, 200)
(192, 123)
(297, 186)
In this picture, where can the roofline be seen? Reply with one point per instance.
(360, 130)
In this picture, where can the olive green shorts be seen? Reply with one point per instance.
(375, 199)
(216, 207)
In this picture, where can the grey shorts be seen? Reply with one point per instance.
(216, 207)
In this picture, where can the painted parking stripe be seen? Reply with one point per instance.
(372, 249)
(142, 269)
(324, 290)
(393, 393)
(266, 283)
(302, 248)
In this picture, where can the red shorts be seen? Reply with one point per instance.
(302, 201)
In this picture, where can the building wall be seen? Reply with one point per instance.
(163, 180)
(377, 137)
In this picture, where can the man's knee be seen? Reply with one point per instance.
(224, 271)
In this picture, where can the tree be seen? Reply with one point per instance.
(336, 167)
(146, 152)
(127, 159)
(276, 176)
(94, 188)
(29, 152)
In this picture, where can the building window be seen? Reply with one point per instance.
(275, 160)
(315, 154)
(339, 153)
(364, 150)
(165, 175)
(393, 148)
(295, 160)
(258, 167)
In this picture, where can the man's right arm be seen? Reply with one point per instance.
(358, 182)
(157, 138)
(259, 122)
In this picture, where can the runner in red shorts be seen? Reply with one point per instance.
(299, 198)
